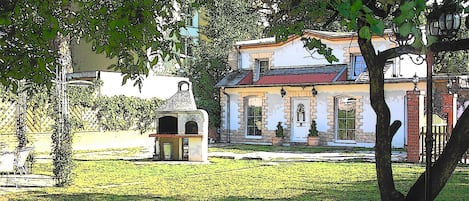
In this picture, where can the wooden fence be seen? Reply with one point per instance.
(40, 120)
(440, 139)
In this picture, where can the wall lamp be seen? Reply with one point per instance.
(314, 91)
(283, 92)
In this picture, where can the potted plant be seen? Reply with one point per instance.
(313, 136)
(278, 139)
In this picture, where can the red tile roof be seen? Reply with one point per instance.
(296, 79)
(247, 79)
(285, 76)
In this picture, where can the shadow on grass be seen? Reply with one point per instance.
(101, 196)
(328, 190)
(89, 196)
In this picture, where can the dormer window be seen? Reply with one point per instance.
(358, 66)
(261, 68)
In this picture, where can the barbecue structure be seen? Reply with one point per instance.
(181, 128)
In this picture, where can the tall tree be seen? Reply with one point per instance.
(125, 30)
(34, 38)
(370, 17)
(228, 21)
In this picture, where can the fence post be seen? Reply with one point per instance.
(449, 107)
(413, 125)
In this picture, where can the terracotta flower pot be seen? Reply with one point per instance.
(313, 141)
(277, 141)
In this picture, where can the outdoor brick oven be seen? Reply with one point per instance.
(181, 128)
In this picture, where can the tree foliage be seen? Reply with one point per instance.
(369, 18)
(134, 32)
(227, 22)
(127, 30)
(26, 31)
(34, 35)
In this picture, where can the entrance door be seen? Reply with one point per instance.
(300, 119)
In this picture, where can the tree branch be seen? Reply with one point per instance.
(456, 45)
(377, 11)
(397, 51)
(331, 19)
(394, 127)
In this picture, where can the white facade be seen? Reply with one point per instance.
(297, 71)
(161, 87)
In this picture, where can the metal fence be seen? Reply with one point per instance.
(440, 139)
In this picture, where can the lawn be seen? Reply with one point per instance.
(225, 179)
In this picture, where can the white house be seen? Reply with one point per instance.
(283, 82)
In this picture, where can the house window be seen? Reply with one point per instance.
(253, 110)
(396, 70)
(345, 118)
(261, 68)
(187, 44)
(358, 65)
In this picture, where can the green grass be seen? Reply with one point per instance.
(224, 179)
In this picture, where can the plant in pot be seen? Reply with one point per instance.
(313, 136)
(278, 139)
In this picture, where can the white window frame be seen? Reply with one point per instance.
(259, 69)
(354, 66)
(257, 117)
(337, 119)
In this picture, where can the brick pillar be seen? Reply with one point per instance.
(449, 108)
(413, 126)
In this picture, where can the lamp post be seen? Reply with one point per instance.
(443, 22)
(429, 135)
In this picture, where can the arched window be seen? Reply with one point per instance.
(300, 113)
(192, 128)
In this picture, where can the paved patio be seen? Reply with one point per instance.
(365, 156)
(17, 183)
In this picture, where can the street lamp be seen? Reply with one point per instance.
(443, 22)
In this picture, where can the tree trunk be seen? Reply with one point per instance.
(383, 133)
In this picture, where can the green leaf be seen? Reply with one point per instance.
(431, 39)
(125, 78)
(367, 10)
(407, 6)
(344, 9)
(4, 20)
(365, 32)
(356, 6)
(378, 28)
(405, 29)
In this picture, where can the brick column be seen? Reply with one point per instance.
(413, 126)
(449, 108)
